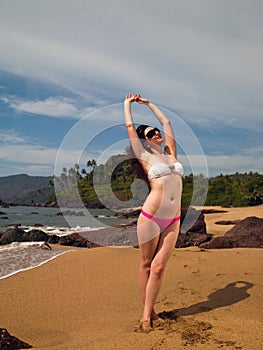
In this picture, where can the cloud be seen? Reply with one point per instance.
(11, 137)
(202, 59)
(52, 106)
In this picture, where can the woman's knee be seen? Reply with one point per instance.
(146, 265)
(157, 268)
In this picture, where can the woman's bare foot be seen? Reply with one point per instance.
(145, 326)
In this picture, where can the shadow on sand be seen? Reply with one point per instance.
(230, 294)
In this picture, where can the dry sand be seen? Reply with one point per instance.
(89, 299)
(230, 214)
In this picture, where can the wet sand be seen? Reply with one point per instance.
(89, 299)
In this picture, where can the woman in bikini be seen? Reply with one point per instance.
(159, 222)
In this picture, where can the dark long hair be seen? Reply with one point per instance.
(136, 165)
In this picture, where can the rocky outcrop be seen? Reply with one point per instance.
(227, 222)
(213, 211)
(126, 234)
(189, 239)
(70, 213)
(196, 235)
(76, 240)
(247, 233)
(9, 342)
(17, 234)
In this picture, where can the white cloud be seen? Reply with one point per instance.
(205, 59)
(11, 137)
(202, 59)
(52, 106)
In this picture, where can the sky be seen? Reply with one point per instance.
(65, 67)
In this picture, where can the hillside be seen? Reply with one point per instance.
(114, 183)
(23, 189)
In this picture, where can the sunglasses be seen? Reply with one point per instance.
(152, 132)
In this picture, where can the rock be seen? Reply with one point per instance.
(5, 205)
(19, 235)
(70, 213)
(196, 235)
(9, 342)
(189, 239)
(13, 235)
(227, 222)
(53, 239)
(74, 239)
(199, 225)
(213, 211)
(2, 213)
(128, 215)
(247, 233)
(4, 217)
(37, 235)
(14, 225)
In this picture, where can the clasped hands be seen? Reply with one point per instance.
(136, 98)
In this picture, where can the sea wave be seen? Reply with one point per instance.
(21, 256)
(60, 231)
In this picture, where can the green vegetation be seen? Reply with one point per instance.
(25, 189)
(115, 184)
(115, 181)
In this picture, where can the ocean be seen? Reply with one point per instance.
(22, 256)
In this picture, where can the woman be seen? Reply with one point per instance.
(159, 221)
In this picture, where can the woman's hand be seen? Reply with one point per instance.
(130, 97)
(141, 100)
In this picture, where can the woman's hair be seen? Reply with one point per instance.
(136, 165)
(140, 131)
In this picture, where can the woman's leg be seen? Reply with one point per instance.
(164, 249)
(148, 237)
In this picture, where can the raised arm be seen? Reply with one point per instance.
(170, 144)
(137, 147)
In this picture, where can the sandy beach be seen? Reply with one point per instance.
(89, 298)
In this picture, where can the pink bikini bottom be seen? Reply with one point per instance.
(162, 223)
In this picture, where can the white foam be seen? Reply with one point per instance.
(15, 246)
(61, 231)
(32, 267)
(21, 256)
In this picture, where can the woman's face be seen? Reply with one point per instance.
(153, 135)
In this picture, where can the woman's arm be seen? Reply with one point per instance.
(170, 144)
(137, 147)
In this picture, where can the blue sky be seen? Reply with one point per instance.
(65, 67)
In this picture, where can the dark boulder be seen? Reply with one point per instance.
(76, 240)
(189, 239)
(213, 211)
(17, 234)
(247, 233)
(53, 239)
(227, 222)
(13, 235)
(70, 213)
(9, 342)
(129, 214)
(37, 235)
(187, 215)
(196, 234)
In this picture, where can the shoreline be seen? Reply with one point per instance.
(89, 299)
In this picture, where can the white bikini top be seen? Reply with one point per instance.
(163, 169)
